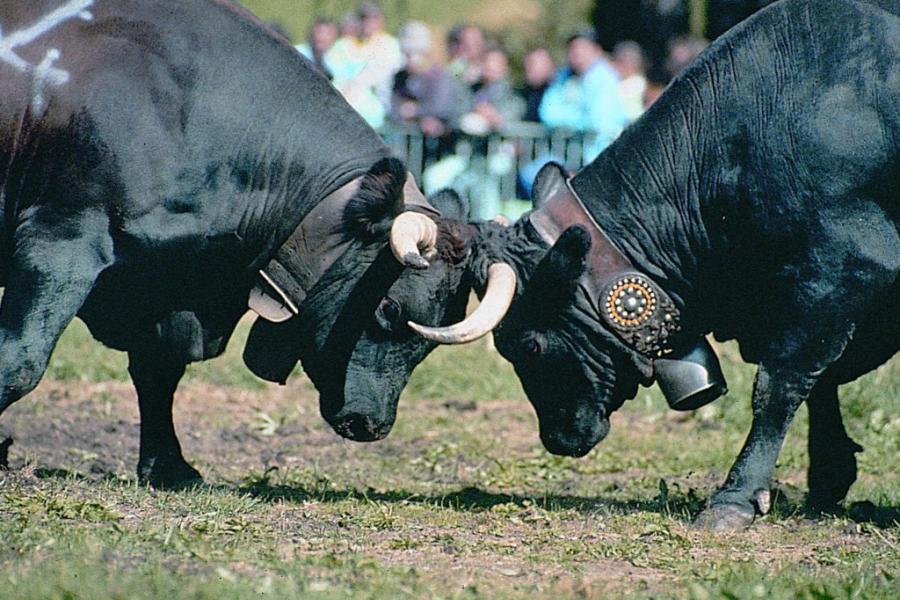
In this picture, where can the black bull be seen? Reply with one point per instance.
(757, 200)
(154, 156)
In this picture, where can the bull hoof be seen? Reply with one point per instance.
(4, 453)
(168, 473)
(824, 503)
(724, 517)
(828, 485)
(867, 512)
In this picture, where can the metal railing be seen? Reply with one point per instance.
(493, 172)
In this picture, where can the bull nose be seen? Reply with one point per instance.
(360, 428)
(562, 447)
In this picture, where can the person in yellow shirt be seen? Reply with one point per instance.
(364, 66)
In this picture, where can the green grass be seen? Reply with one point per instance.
(79, 358)
(459, 502)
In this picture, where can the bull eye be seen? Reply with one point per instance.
(388, 313)
(532, 346)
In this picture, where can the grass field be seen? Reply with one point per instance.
(460, 501)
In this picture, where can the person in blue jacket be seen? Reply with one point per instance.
(584, 96)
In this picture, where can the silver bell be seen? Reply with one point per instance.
(692, 379)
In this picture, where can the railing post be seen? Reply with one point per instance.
(492, 164)
(697, 14)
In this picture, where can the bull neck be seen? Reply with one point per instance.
(643, 192)
(319, 242)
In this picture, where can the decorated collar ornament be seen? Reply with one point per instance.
(640, 313)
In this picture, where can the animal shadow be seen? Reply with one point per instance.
(474, 499)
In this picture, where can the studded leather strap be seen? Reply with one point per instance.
(630, 303)
(314, 246)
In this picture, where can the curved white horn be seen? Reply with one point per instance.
(412, 234)
(501, 287)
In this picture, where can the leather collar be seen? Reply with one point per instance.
(314, 246)
(638, 310)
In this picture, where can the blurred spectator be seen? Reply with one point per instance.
(350, 25)
(345, 61)
(494, 103)
(380, 50)
(722, 15)
(540, 71)
(452, 41)
(657, 80)
(364, 66)
(682, 51)
(628, 61)
(466, 46)
(585, 95)
(424, 93)
(651, 23)
(344, 52)
(322, 36)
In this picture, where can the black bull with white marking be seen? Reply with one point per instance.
(757, 200)
(164, 163)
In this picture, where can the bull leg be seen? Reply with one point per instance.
(832, 454)
(776, 397)
(160, 462)
(47, 284)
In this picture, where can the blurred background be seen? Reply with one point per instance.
(477, 95)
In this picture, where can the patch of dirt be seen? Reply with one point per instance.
(93, 428)
(92, 431)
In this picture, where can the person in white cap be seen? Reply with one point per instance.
(424, 92)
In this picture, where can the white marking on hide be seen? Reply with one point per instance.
(44, 73)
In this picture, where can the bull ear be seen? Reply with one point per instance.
(379, 198)
(567, 259)
(548, 182)
(450, 204)
(556, 276)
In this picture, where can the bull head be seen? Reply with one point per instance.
(350, 329)
(413, 232)
(424, 306)
(588, 329)
(574, 371)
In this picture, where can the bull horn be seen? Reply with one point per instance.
(412, 234)
(501, 287)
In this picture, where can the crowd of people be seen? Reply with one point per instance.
(466, 86)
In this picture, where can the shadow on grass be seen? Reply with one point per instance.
(682, 506)
(473, 499)
(54, 473)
